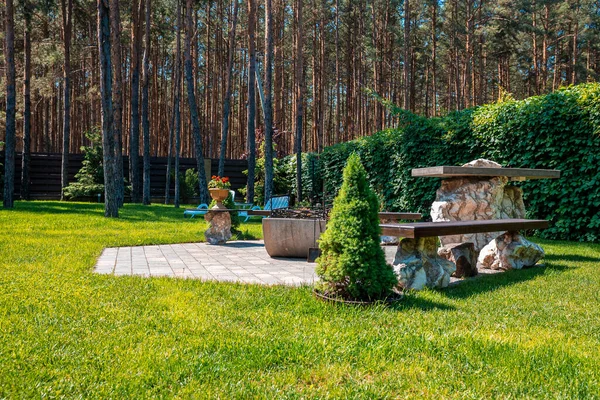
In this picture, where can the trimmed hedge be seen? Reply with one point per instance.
(560, 131)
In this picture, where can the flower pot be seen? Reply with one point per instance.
(289, 237)
(219, 194)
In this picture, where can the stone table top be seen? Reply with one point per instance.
(446, 171)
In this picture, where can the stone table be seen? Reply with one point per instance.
(480, 190)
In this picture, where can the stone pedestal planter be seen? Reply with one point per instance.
(288, 237)
(219, 229)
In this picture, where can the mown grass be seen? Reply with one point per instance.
(66, 332)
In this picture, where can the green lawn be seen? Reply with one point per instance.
(66, 332)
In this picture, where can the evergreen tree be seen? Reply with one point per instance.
(352, 263)
(90, 178)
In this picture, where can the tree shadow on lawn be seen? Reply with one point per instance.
(56, 207)
(488, 283)
(128, 213)
(412, 301)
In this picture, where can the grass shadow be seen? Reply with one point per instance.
(56, 207)
(489, 283)
(411, 301)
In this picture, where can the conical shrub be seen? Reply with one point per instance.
(352, 263)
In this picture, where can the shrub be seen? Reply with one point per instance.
(90, 178)
(189, 185)
(352, 263)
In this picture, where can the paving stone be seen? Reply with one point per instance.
(245, 262)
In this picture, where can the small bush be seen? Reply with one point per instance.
(352, 263)
(189, 185)
(90, 178)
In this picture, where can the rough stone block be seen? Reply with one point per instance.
(463, 255)
(417, 264)
(509, 251)
(476, 198)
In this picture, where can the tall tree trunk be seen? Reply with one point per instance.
(134, 137)
(338, 103)
(251, 121)
(115, 32)
(208, 75)
(268, 100)
(171, 133)
(111, 201)
(557, 63)
(228, 84)
(178, 107)
(536, 72)
(434, 6)
(11, 99)
(574, 53)
(545, 40)
(482, 98)
(189, 80)
(322, 76)
(407, 61)
(177, 138)
(468, 85)
(67, 11)
(146, 107)
(175, 123)
(299, 80)
(25, 159)
(47, 119)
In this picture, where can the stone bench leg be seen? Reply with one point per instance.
(417, 264)
(509, 251)
(463, 255)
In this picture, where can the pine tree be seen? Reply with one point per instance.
(352, 263)
(11, 100)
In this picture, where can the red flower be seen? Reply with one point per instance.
(225, 180)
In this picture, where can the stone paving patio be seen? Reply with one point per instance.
(236, 261)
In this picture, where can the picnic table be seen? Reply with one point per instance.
(479, 190)
(477, 216)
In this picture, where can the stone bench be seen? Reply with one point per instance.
(418, 264)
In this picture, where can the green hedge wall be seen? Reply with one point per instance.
(558, 131)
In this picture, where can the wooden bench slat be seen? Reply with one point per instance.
(428, 229)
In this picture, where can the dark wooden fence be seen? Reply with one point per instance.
(45, 174)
